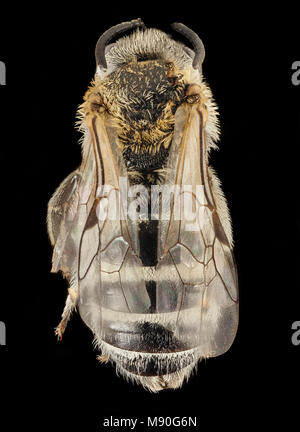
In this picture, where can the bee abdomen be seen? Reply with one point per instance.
(144, 337)
(157, 364)
(155, 371)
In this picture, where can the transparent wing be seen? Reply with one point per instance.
(196, 258)
(92, 243)
(110, 275)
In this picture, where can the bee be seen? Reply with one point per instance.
(141, 230)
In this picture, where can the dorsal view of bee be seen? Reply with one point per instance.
(141, 230)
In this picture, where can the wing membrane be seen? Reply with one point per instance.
(200, 251)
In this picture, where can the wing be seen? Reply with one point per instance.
(110, 274)
(196, 258)
(90, 234)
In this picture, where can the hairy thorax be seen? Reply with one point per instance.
(142, 98)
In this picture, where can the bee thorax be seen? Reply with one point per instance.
(142, 97)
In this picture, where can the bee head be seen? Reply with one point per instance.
(145, 44)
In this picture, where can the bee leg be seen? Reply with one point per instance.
(104, 358)
(66, 315)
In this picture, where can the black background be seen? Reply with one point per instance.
(49, 55)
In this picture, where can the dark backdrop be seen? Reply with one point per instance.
(49, 54)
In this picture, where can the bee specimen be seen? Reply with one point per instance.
(156, 284)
